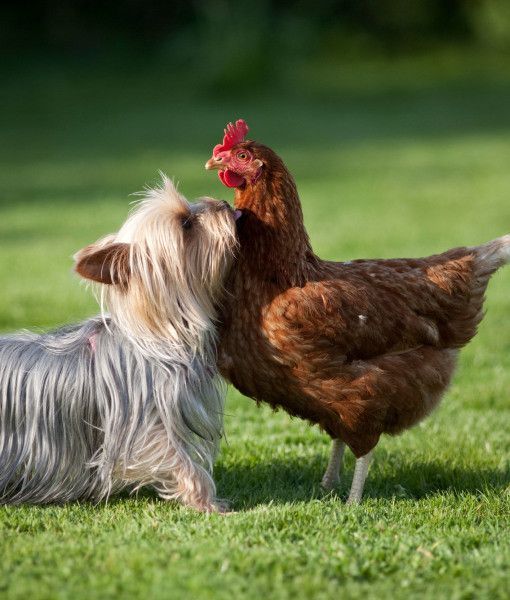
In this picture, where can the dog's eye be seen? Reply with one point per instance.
(187, 222)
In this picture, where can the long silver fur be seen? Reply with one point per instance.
(127, 399)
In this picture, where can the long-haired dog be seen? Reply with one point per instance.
(130, 398)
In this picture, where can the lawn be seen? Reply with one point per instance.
(391, 159)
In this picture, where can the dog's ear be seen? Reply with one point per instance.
(104, 263)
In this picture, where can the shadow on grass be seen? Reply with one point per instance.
(283, 482)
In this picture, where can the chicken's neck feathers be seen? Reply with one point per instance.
(274, 241)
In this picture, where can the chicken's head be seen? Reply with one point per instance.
(234, 158)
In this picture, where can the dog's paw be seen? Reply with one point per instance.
(223, 506)
(219, 506)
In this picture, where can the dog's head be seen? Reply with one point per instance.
(162, 274)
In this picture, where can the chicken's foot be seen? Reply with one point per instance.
(359, 477)
(331, 476)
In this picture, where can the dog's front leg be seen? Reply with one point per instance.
(191, 484)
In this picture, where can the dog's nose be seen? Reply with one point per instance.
(224, 205)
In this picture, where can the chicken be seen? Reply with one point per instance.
(359, 348)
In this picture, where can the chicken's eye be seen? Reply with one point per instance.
(242, 156)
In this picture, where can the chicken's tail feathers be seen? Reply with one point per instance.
(496, 253)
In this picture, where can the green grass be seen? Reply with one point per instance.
(386, 166)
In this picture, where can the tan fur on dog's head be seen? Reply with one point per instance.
(162, 274)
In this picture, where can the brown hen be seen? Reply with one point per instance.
(361, 347)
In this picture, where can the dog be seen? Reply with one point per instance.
(130, 398)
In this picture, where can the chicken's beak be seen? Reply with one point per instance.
(214, 163)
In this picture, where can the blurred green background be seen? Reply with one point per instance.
(394, 117)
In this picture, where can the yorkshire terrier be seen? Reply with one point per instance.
(130, 398)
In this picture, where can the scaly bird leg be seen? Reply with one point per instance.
(332, 475)
(359, 477)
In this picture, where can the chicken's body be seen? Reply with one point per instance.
(360, 348)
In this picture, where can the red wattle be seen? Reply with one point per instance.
(230, 179)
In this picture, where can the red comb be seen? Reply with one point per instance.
(234, 134)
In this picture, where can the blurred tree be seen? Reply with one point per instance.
(490, 21)
(222, 40)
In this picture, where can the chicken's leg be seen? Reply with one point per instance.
(331, 477)
(358, 479)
